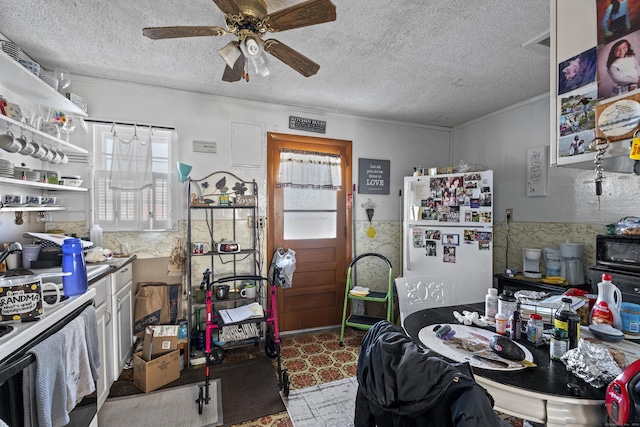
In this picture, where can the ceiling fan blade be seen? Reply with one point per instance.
(228, 7)
(157, 33)
(292, 58)
(234, 74)
(310, 12)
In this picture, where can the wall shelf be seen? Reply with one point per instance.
(43, 185)
(32, 209)
(34, 132)
(18, 79)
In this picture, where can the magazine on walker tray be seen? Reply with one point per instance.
(238, 314)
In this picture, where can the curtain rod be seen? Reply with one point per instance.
(115, 122)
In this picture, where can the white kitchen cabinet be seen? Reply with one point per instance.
(122, 300)
(104, 319)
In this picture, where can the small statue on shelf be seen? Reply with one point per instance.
(224, 197)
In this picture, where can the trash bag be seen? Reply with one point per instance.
(282, 267)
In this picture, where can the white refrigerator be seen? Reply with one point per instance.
(448, 233)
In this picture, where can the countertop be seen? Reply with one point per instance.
(115, 264)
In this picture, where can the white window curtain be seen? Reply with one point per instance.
(310, 170)
(149, 208)
(131, 165)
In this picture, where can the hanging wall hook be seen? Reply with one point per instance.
(601, 148)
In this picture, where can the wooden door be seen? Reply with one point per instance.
(317, 293)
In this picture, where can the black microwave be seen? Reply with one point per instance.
(618, 251)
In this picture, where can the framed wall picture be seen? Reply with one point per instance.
(373, 176)
(537, 169)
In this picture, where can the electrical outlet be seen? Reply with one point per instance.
(260, 223)
(508, 213)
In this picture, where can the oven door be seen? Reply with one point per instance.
(627, 281)
(15, 407)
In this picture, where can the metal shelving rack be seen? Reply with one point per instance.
(204, 204)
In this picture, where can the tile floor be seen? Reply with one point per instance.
(314, 358)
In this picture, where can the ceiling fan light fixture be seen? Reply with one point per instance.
(230, 53)
(252, 48)
(260, 64)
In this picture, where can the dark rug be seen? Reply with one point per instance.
(251, 380)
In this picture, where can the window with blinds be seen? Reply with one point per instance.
(148, 208)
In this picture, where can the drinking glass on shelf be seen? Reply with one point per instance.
(64, 80)
(69, 125)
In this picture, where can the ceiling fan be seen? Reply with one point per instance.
(249, 21)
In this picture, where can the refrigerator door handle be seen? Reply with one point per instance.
(408, 247)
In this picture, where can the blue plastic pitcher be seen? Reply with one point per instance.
(73, 262)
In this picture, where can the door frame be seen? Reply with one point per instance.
(276, 212)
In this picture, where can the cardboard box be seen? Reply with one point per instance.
(158, 340)
(159, 371)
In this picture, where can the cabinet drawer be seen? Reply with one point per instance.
(102, 291)
(122, 277)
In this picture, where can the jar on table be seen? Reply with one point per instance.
(559, 344)
(535, 329)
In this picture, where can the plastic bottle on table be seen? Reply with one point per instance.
(501, 323)
(95, 235)
(606, 309)
(491, 304)
(507, 304)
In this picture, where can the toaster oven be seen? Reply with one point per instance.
(618, 251)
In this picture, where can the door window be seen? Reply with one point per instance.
(309, 214)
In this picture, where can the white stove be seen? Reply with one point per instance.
(25, 332)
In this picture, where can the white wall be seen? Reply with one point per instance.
(207, 117)
(500, 141)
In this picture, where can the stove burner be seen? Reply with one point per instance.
(5, 329)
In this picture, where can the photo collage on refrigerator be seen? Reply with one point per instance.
(447, 194)
(442, 202)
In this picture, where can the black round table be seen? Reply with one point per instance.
(546, 394)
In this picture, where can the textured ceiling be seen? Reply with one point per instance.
(431, 62)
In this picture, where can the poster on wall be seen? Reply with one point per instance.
(577, 124)
(618, 67)
(577, 72)
(616, 19)
(373, 176)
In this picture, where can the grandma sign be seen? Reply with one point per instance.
(373, 176)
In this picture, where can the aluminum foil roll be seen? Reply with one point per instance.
(592, 363)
